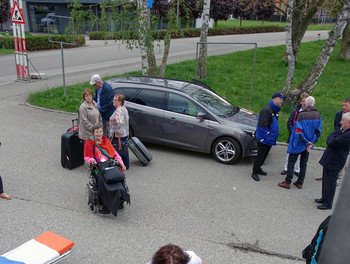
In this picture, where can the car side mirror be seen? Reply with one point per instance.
(201, 116)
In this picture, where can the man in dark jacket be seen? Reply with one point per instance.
(267, 132)
(338, 116)
(306, 131)
(104, 98)
(333, 160)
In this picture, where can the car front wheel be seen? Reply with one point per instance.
(226, 150)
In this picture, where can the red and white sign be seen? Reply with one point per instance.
(17, 14)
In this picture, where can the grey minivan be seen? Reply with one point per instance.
(187, 115)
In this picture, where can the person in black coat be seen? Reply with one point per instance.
(313, 251)
(333, 160)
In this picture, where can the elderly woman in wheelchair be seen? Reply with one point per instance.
(107, 185)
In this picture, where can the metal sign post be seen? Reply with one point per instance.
(21, 57)
(61, 44)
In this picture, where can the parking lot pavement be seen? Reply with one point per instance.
(182, 197)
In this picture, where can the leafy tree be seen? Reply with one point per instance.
(303, 12)
(243, 9)
(264, 9)
(5, 12)
(190, 9)
(315, 73)
(221, 10)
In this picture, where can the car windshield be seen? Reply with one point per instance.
(215, 103)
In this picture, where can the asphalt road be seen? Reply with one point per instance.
(182, 197)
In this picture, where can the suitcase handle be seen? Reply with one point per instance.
(73, 128)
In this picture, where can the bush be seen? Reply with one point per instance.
(185, 33)
(41, 42)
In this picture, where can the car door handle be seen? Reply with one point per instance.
(172, 120)
(133, 111)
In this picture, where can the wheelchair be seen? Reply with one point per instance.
(92, 197)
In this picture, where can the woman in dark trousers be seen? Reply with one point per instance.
(2, 194)
(119, 128)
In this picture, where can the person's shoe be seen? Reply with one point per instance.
(261, 172)
(318, 179)
(284, 184)
(320, 201)
(284, 172)
(338, 182)
(121, 207)
(104, 210)
(255, 177)
(296, 174)
(323, 207)
(298, 185)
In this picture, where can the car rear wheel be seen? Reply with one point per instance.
(226, 150)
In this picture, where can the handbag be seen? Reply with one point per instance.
(110, 172)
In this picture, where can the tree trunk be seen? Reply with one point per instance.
(142, 4)
(345, 45)
(165, 55)
(289, 48)
(311, 79)
(301, 21)
(152, 62)
(202, 62)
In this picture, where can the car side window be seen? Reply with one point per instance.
(182, 105)
(150, 98)
(127, 92)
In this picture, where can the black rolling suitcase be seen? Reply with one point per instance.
(140, 151)
(72, 148)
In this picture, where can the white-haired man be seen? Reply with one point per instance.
(306, 131)
(333, 160)
(104, 98)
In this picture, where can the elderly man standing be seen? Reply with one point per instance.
(306, 131)
(267, 132)
(104, 98)
(333, 160)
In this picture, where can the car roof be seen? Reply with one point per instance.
(179, 85)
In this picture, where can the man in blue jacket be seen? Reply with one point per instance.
(267, 132)
(333, 160)
(104, 98)
(306, 131)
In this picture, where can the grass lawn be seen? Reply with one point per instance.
(6, 51)
(230, 75)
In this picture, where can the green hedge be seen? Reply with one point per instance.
(41, 42)
(185, 33)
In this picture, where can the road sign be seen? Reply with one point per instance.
(17, 14)
(149, 3)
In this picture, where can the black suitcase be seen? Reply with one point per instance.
(72, 149)
(140, 151)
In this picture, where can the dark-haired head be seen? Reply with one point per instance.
(170, 254)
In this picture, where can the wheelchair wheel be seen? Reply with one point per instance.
(93, 208)
(89, 194)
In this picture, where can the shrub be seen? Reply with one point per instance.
(41, 42)
(185, 33)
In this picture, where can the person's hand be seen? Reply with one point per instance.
(309, 146)
(123, 167)
(93, 161)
